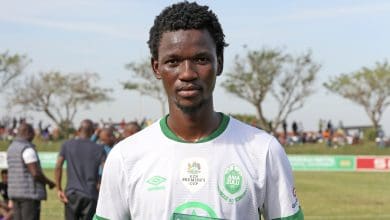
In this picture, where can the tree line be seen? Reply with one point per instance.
(286, 78)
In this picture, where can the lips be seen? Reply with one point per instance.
(189, 90)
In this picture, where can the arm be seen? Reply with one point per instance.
(113, 196)
(38, 175)
(58, 178)
(281, 201)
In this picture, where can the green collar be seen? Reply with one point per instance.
(169, 133)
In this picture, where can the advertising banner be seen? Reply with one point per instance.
(48, 159)
(322, 163)
(373, 163)
(298, 162)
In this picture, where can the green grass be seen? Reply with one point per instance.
(323, 196)
(344, 195)
(42, 146)
(52, 208)
(367, 148)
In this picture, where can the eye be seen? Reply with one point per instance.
(202, 60)
(172, 62)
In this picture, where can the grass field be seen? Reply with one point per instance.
(323, 196)
(344, 195)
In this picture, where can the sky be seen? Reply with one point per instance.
(103, 36)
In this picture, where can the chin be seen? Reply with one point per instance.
(188, 109)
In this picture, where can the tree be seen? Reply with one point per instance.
(288, 79)
(368, 87)
(58, 95)
(145, 83)
(11, 66)
(294, 85)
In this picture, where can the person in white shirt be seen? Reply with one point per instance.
(195, 163)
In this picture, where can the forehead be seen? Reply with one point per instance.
(181, 40)
(106, 133)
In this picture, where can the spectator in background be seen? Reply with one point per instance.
(5, 210)
(130, 129)
(380, 139)
(294, 127)
(107, 139)
(329, 141)
(26, 183)
(4, 185)
(83, 157)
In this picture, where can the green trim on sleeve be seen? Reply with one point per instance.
(297, 216)
(96, 217)
(169, 133)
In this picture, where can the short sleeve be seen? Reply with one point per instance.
(63, 150)
(281, 201)
(29, 156)
(113, 195)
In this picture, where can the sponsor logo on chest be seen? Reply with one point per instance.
(194, 173)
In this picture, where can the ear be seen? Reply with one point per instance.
(220, 65)
(154, 64)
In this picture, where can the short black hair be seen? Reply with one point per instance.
(185, 16)
(4, 171)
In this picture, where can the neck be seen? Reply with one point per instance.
(84, 136)
(193, 126)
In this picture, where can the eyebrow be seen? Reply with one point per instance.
(175, 56)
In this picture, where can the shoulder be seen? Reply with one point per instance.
(68, 142)
(139, 144)
(248, 133)
(257, 142)
(145, 135)
(20, 145)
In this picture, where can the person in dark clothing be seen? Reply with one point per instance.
(5, 210)
(285, 129)
(26, 182)
(295, 128)
(4, 185)
(83, 157)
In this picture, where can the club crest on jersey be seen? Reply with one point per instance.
(194, 210)
(234, 187)
(194, 173)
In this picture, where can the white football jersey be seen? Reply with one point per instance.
(238, 172)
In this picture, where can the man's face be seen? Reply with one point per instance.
(107, 138)
(31, 135)
(188, 65)
(4, 178)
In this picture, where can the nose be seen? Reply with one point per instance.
(188, 71)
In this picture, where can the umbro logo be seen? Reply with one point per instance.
(156, 183)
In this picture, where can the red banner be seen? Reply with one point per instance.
(372, 163)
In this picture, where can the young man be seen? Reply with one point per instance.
(107, 139)
(130, 129)
(26, 181)
(84, 158)
(195, 163)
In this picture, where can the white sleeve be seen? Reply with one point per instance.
(280, 197)
(113, 195)
(29, 156)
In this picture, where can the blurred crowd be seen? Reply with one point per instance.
(47, 132)
(331, 135)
